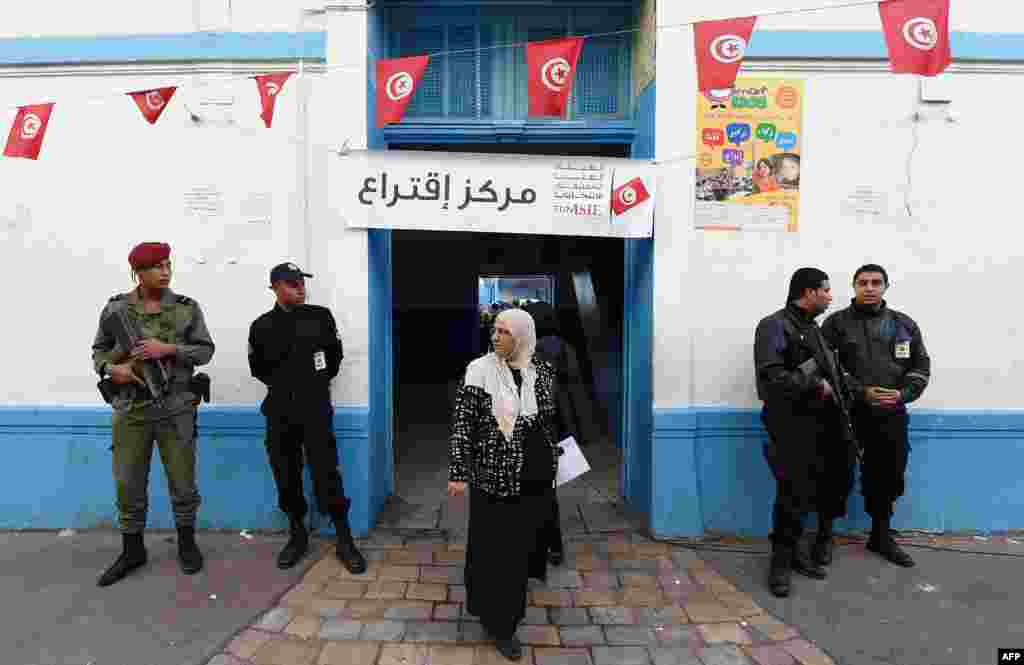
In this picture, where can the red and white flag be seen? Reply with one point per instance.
(720, 47)
(397, 79)
(270, 86)
(917, 35)
(28, 130)
(629, 195)
(551, 66)
(152, 102)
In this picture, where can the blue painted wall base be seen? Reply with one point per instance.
(709, 474)
(58, 471)
(706, 473)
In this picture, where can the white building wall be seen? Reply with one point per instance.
(106, 180)
(71, 17)
(953, 263)
(965, 15)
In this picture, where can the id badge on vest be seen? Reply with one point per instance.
(902, 350)
(319, 361)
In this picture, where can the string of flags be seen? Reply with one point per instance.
(916, 35)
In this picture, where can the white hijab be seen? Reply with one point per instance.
(493, 374)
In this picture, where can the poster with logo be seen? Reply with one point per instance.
(748, 156)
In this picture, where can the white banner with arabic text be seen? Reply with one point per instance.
(438, 191)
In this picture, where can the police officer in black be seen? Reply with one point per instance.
(884, 353)
(809, 448)
(295, 349)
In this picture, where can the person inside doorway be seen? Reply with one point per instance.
(574, 407)
(503, 448)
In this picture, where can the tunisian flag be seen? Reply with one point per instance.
(270, 86)
(629, 196)
(551, 66)
(28, 130)
(917, 35)
(397, 79)
(720, 47)
(152, 102)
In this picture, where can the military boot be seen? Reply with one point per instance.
(297, 545)
(346, 550)
(189, 557)
(780, 573)
(824, 543)
(881, 542)
(133, 555)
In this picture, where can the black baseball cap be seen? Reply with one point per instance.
(287, 272)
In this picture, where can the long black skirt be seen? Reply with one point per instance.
(503, 551)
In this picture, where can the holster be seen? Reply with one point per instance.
(108, 390)
(199, 385)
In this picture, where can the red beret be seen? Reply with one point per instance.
(148, 254)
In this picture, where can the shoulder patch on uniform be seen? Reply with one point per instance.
(119, 296)
(185, 300)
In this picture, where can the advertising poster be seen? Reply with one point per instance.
(748, 156)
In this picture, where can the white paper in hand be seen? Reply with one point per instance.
(571, 463)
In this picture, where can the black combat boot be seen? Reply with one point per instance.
(297, 546)
(346, 550)
(133, 555)
(189, 557)
(881, 542)
(824, 543)
(780, 573)
(802, 564)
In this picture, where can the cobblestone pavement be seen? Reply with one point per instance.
(619, 599)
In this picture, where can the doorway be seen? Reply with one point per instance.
(447, 287)
(440, 285)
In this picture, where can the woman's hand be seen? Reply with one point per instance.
(456, 489)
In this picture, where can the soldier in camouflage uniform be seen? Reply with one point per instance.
(173, 329)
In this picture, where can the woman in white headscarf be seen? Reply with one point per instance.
(503, 448)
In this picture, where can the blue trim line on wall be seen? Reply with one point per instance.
(260, 46)
(710, 475)
(58, 472)
(189, 46)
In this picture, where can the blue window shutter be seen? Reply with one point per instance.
(429, 97)
(599, 76)
(485, 72)
(469, 72)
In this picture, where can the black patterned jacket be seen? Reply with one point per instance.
(478, 452)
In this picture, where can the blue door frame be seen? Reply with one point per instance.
(637, 130)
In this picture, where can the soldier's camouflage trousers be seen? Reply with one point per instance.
(134, 435)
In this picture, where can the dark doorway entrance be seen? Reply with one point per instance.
(436, 313)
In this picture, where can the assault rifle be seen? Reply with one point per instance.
(154, 373)
(843, 396)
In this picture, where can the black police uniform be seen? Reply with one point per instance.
(296, 353)
(810, 456)
(882, 347)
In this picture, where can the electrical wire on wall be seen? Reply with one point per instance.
(915, 122)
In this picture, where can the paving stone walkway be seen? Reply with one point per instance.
(619, 599)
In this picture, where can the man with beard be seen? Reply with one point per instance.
(808, 448)
(884, 352)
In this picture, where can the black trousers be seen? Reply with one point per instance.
(551, 532)
(886, 452)
(295, 438)
(502, 552)
(813, 469)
